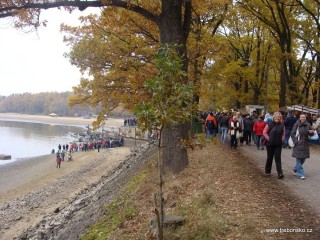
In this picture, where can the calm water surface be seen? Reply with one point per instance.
(27, 139)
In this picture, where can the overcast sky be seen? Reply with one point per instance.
(34, 62)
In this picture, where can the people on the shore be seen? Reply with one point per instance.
(58, 160)
(274, 132)
(63, 153)
(299, 134)
(69, 156)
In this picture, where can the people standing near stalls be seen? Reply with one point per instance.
(210, 125)
(299, 134)
(234, 130)
(274, 132)
(289, 121)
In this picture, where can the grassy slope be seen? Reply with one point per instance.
(222, 194)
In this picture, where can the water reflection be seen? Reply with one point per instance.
(27, 139)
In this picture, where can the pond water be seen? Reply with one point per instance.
(28, 139)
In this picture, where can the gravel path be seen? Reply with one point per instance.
(306, 189)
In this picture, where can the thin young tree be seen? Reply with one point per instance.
(171, 103)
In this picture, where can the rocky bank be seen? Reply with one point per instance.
(64, 215)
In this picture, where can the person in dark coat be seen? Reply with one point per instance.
(289, 121)
(248, 128)
(301, 149)
(274, 132)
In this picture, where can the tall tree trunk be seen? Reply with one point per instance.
(174, 28)
(174, 155)
(317, 78)
(283, 84)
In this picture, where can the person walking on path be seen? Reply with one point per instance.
(274, 133)
(224, 125)
(289, 121)
(248, 127)
(317, 127)
(258, 128)
(234, 130)
(210, 125)
(300, 139)
(241, 122)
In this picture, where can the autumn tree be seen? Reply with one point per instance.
(279, 18)
(172, 19)
(114, 51)
(241, 63)
(309, 32)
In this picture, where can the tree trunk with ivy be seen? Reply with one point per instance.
(174, 28)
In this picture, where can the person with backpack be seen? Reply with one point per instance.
(274, 132)
(210, 125)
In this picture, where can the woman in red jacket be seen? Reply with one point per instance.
(258, 130)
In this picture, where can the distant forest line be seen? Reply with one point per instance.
(46, 103)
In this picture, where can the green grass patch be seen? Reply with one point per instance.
(120, 210)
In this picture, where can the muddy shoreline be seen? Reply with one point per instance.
(32, 189)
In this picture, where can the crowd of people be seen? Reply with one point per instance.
(130, 122)
(270, 131)
(65, 151)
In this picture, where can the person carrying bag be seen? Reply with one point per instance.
(274, 133)
(300, 134)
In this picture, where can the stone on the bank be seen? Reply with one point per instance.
(169, 221)
(5, 157)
